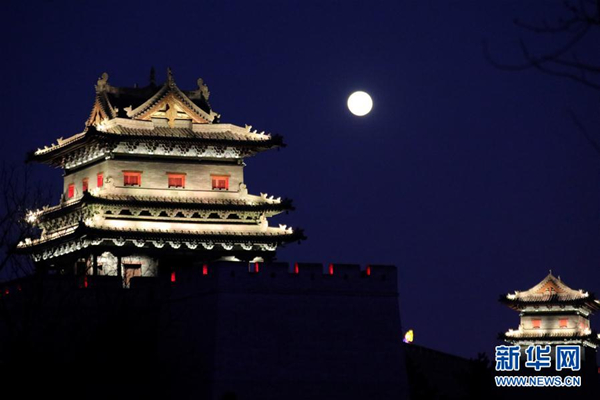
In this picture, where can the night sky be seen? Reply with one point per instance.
(472, 180)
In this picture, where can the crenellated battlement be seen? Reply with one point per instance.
(276, 277)
(296, 278)
(129, 287)
(323, 329)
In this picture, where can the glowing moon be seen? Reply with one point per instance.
(360, 103)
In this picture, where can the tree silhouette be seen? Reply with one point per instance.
(21, 193)
(580, 23)
(571, 60)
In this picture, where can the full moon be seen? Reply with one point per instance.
(360, 103)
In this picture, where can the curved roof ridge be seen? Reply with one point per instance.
(145, 99)
(170, 87)
(554, 281)
(162, 92)
(548, 289)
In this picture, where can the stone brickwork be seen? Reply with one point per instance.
(208, 332)
(277, 334)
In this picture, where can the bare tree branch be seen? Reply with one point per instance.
(19, 195)
(583, 131)
(583, 17)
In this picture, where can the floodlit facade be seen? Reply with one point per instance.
(154, 175)
(156, 273)
(552, 313)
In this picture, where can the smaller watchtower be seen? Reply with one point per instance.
(553, 314)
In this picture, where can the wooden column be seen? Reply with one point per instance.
(119, 267)
(94, 265)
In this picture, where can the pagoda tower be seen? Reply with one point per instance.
(155, 181)
(551, 314)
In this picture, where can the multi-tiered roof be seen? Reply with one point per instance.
(550, 291)
(552, 312)
(157, 121)
(158, 126)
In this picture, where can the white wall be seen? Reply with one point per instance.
(90, 173)
(154, 176)
(552, 322)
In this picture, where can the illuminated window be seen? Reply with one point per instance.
(85, 184)
(330, 269)
(100, 180)
(173, 277)
(131, 270)
(71, 191)
(253, 267)
(563, 322)
(220, 182)
(132, 178)
(537, 323)
(205, 269)
(296, 268)
(176, 180)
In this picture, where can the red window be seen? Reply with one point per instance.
(537, 323)
(132, 178)
(296, 268)
(368, 270)
(254, 267)
(205, 269)
(85, 184)
(563, 322)
(330, 269)
(71, 191)
(100, 180)
(220, 182)
(173, 277)
(176, 180)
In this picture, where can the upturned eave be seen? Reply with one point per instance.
(83, 231)
(53, 155)
(234, 204)
(518, 304)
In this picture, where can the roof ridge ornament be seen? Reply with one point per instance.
(170, 80)
(102, 83)
(203, 88)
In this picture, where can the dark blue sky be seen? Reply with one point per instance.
(472, 180)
